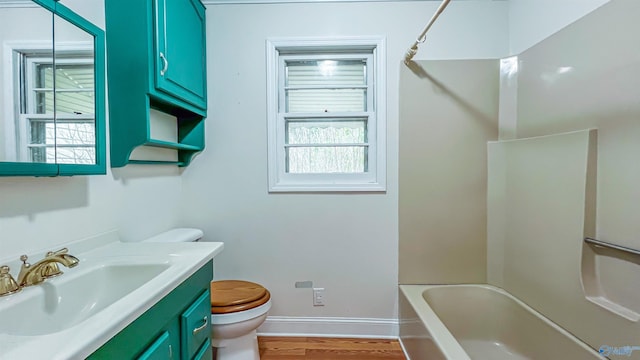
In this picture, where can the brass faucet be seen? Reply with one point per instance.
(45, 268)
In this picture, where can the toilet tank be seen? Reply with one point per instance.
(177, 235)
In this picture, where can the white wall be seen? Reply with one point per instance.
(531, 21)
(41, 213)
(347, 243)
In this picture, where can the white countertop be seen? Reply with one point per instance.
(83, 338)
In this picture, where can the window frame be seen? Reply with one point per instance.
(281, 49)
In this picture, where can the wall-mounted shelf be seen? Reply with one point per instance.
(156, 64)
(157, 162)
(172, 145)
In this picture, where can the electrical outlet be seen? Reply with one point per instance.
(318, 296)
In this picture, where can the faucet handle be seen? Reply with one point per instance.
(58, 252)
(8, 284)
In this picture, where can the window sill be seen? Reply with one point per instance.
(327, 188)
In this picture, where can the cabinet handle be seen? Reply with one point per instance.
(165, 63)
(198, 329)
(170, 352)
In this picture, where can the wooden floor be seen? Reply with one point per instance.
(310, 348)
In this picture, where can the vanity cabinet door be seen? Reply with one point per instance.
(163, 348)
(179, 36)
(205, 352)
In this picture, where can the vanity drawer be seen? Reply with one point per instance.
(195, 325)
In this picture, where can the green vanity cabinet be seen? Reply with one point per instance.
(177, 327)
(156, 61)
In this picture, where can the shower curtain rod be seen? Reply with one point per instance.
(414, 49)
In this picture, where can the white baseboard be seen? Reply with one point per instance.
(330, 327)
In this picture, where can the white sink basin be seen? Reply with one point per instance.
(64, 301)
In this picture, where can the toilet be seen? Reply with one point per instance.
(238, 308)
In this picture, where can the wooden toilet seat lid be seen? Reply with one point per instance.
(226, 293)
(241, 307)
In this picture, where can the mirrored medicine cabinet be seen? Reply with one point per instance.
(52, 107)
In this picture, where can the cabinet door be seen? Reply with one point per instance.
(205, 352)
(180, 64)
(163, 348)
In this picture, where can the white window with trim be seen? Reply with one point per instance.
(326, 115)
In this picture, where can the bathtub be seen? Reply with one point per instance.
(459, 322)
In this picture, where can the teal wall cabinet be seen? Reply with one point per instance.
(53, 122)
(177, 327)
(156, 62)
(180, 42)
